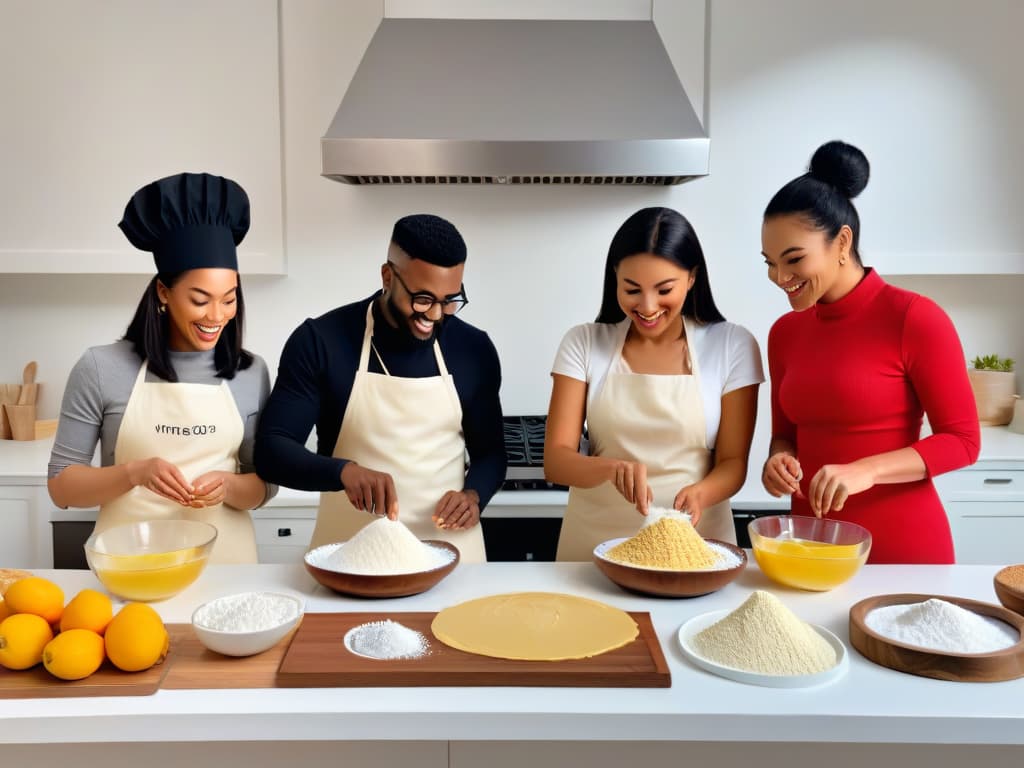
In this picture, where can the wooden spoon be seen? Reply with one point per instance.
(28, 386)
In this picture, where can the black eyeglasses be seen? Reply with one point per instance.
(423, 302)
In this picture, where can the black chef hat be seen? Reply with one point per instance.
(188, 221)
(430, 238)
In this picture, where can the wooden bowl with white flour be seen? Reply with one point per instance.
(384, 559)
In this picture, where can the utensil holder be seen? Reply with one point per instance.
(9, 393)
(23, 421)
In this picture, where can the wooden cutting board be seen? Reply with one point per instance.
(196, 667)
(317, 657)
(108, 680)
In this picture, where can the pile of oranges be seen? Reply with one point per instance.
(72, 641)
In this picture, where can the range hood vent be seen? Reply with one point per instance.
(459, 101)
(594, 180)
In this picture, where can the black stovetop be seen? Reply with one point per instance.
(524, 450)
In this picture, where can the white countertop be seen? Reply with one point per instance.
(869, 703)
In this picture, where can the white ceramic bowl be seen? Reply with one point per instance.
(246, 642)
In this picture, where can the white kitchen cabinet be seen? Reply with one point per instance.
(102, 98)
(985, 504)
(284, 539)
(15, 522)
(23, 543)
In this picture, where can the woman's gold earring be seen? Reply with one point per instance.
(163, 309)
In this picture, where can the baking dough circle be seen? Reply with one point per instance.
(534, 626)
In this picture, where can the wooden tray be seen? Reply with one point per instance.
(1006, 664)
(194, 667)
(317, 657)
(108, 680)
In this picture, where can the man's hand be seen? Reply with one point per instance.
(370, 491)
(457, 510)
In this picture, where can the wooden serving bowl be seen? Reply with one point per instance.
(667, 583)
(391, 585)
(1005, 664)
(1010, 596)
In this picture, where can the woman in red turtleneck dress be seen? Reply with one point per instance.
(853, 369)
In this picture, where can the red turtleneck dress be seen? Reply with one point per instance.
(853, 379)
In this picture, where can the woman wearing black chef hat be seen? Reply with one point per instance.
(174, 403)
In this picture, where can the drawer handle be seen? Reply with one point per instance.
(284, 531)
(998, 480)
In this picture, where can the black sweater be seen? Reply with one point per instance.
(314, 381)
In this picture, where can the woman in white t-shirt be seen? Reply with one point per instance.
(667, 389)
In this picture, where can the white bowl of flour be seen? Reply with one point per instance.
(246, 623)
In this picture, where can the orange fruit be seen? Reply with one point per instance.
(37, 595)
(10, 575)
(4, 610)
(88, 609)
(136, 638)
(74, 654)
(22, 639)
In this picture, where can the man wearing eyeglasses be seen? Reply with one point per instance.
(400, 391)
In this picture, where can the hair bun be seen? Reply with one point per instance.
(842, 165)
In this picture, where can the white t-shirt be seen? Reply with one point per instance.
(728, 358)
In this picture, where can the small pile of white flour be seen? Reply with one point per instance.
(765, 637)
(383, 548)
(941, 626)
(386, 640)
(654, 514)
(726, 557)
(247, 612)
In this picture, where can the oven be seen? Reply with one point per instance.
(524, 518)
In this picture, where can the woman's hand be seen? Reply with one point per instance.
(162, 478)
(210, 489)
(630, 479)
(782, 474)
(833, 484)
(690, 500)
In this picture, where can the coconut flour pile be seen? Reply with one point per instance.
(384, 547)
(672, 544)
(941, 626)
(765, 637)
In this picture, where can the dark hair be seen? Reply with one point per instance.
(148, 332)
(430, 238)
(838, 173)
(665, 233)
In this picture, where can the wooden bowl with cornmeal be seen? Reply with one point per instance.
(672, 582)
(1009, 586)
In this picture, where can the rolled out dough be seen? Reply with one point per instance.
(534, 626)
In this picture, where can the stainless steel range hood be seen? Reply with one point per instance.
(456, 101)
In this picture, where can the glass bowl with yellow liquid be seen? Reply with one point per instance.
(808, 553)
(151, 560)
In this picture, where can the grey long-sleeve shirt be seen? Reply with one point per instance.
(101, 382)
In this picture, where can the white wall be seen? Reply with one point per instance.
(784, 76)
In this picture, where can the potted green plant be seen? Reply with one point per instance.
(994, 386)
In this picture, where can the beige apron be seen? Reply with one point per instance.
(654, 419)
(411, 429)
(197, 428)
